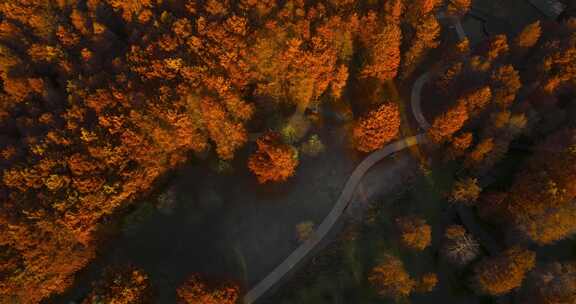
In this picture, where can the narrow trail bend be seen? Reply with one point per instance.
(298, 256)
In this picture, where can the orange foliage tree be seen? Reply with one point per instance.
(497, 46)
(420, 8)
(427, 282)
(445, 125)
(540, 199)
(415, 234)
(551, 283)
(195, 291)
(556, 65)
(121, 286)
(477, 100)
(273, 161)
(377, 128)
(384, 53)
(446, 82)
(505, 83)
(480, 152)
(500, 274)
(390, 279)
(459, 145)
(458, 8)
(529, 36)
(554, 225)
(425, 38)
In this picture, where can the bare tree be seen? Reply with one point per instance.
(459, 247)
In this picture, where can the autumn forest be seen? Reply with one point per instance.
(101, 101)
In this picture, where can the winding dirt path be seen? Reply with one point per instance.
(330, 220)
(465, 214)
(415, 100)
(299, 255)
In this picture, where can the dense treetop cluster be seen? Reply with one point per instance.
(100, 98)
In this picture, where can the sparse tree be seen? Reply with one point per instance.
(313, 146)
(459, 247)
(505, 83)
(459, 145)
(554, 225)
(465, 191)
(477, 156)
(427, 282)
(447, 80)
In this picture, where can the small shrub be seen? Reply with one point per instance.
(304, 230)
(313, 146)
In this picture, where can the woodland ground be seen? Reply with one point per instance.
(338, 274)
(229, 226)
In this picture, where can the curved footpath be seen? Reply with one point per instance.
(330, 220)
(416, 93)
(464, 212)
(298, 255)
(415, 100)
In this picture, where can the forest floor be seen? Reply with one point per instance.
(337, 275)
(227, 226)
